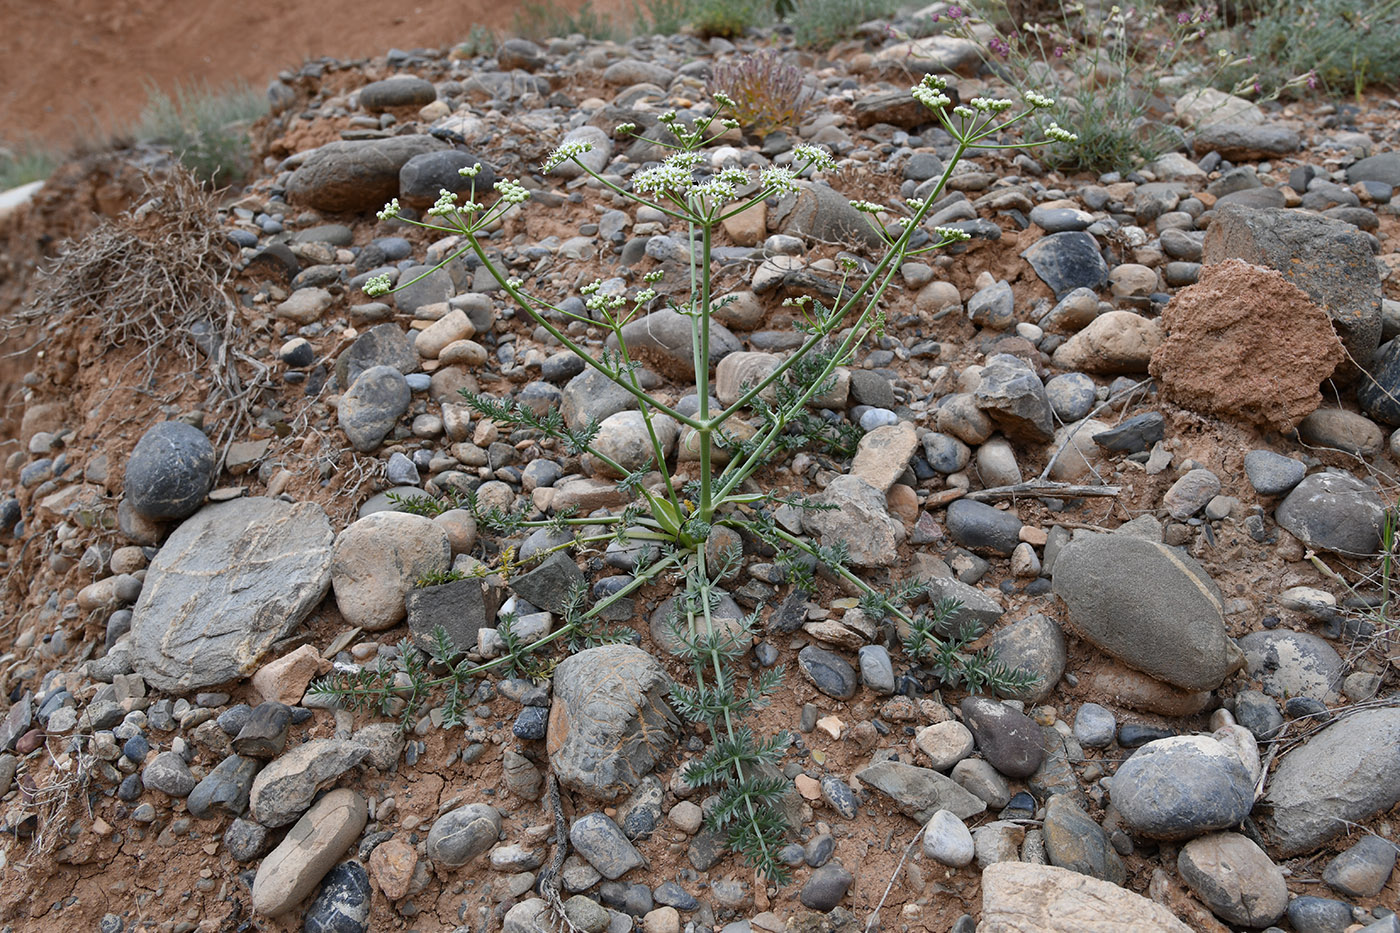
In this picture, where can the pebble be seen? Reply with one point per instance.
(1095, 726)
(1319, 915)
(1363, 869)
(828, 672)
(1009, 740)
(460, 835)
(1234, 878)
(948, 841)
(599, 840)
(826, 887)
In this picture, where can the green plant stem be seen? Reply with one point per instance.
(702, 377)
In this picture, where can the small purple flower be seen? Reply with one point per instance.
(936, 17)
(1257, 88)
(1059, 51)
(1183, 18)
(955, 12)
(1312, 80)
(998, 46)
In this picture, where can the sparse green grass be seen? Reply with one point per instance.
(206, 129)
(543, 19)
(820, 23)
(27, 163)
(729, 18)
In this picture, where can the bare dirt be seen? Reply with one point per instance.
(77, 70)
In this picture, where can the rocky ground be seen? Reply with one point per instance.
(194, 536)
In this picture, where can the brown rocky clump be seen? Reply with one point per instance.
(1246, 343)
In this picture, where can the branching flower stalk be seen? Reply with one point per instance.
(677, 521)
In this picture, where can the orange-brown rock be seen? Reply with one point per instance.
(1246, 343)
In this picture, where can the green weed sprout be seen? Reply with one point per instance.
(676, 521)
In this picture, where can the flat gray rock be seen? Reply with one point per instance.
(1013, 395)
(1149, 605)
(372, 406)
(1289, 664)
(284, 789)
(863, 522)
(1348, 772)
(920, 792)
(232, 580)
(599, 840)
(355, 175)
(1335, 512)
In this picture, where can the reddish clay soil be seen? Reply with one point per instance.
(76, 70)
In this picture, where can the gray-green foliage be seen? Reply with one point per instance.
(820, 23)
(207, 129)
(1342, 46)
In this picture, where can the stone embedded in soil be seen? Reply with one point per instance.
(1307, 914)
(664, 339)
(284, 789)
(461, 835)
(1095, 726)
(1334, 512)
(169, 471)
(826, 670)
(948, 841)
(381, 345)
(883, 455)
(343, 903)
(1010, 740)
(983, 529)
(599, 840)
(1289, 664)
(1342, 430)
(1347, 773)
(1036, 646)
(292, 870)
(920, 792)
(169, 774)
(355, 175)
(1013, 395)
(1234, 878)
(1066, 261)
(1117, 342)
(460, 607)
(1134, 435)
(377, 561)
(1076, 842)
(1148, 605)
(1190, 493)
(863, 522)
(826, 887)
(1271, 473)
(1379, 392)
(1019, 896)
(229, 582)
(397, 91)
(1363, 869)
(1242, 312)
(1180, 787)
(1329, 260)
(372, 406)
(609, 724)
(224, 790)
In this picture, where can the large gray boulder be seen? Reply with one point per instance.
(1149, 605)
(232, 580)
(609, 724)
(1334, 512)
(1347, 773)
(355, 175)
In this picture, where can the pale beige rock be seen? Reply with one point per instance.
(391, 866)
(1080, 456)
(1207, 105)
(1234, 878)
(944, 744)
(662, 920)
(1114, 342)
(738, 372)
(1120, 685)
(447, 329)
(291, 872)
(748, 228)
(376, 561)
(467, 353)
(304, 306)
(1019, 897)
(286, 679)
(883, 454)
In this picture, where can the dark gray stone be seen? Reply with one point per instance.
(462, 834)
(170, 471)
(838, 796)
(1363, 869)
(1238, 142)
(246, 840)
(1136, 434)
(531, 724)
(1066, 261)
(372, 406)
(1348, 772)
(1181, 787)
(1009, 740)
(1095, 726)
(549, 585)
(1273, 474)
(17, 721)
(592, 396)
(1035, 645)
(342, 905)
(1259, 714)
(229, 583)
(1384, 167)
(633, 899)
(1334, 512)
(423, 177)
(1378, 391)
(264, 734)
(381, 345)
(830, 673)
(1148, 605)
(664, 339)
(398, 91)
(1319, 915)
(920, 792)
(224, 790)
(168, 773)
(1074, 841)
(599, 840)
(819, 212)
(993, 307)
(461, 608)
(827, 886)
(1072, 396)
(945, 453)
(876, 668)
(982, 528)
(1060, 219)
(1013, 395)
(358, 175)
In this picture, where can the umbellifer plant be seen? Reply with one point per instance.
(678, 525)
